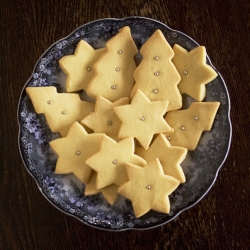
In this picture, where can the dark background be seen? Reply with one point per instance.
(220, 221)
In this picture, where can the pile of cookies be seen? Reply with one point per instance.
(132, 140)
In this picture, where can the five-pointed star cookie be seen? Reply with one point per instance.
(170, 157)
(189, 124)
(114, 69)
(60, 109)
(109, 193)
(79, 67)
(104, 119)
(109, 161)
(148, 188)
(142, 119)
(194, 71)
(74, 149)
(156, 75)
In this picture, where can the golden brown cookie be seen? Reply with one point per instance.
(104, 119)
(109, 161)
(148, 188)
(194, 71)
(156, 75)
(74, 149)
(190, 123)
(170, 156)
(79, 67)
(142, 119)
(114, 69)
(60, 109)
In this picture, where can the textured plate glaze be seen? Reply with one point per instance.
(65, 191)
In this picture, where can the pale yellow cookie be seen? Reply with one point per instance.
(148, 188)
(60, 109)
(109, 193)
(156, 75)
(190, 123)
(109, 161)
(74, 149)
(194, 71)
(170, 156)
(114, 69)
(142, 119)
(104, 119)
(79, 67)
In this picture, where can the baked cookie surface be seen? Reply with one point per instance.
(194, 71)
(148, 188)
(79, 67)
(156, 75)
(142, 119)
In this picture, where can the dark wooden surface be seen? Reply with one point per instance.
(220, 221)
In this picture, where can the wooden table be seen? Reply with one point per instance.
(220, 221)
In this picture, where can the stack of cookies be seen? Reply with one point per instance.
(135, 136)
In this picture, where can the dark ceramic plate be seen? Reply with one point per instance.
(65, 191)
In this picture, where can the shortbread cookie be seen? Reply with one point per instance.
(114, 69)
(142, 119)
(79, 67)
(104, 119)
(109, 193)
(189, 124)
(194, 71)
(109, 161)
(148, 188)
(170, 156)
(74, 149)
(60, 109)
(156, 75)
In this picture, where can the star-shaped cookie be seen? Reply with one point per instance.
(109, 161)
(170, 157)
(60, 109)
(104, 119)
(142, 119)
(79, 67)
(109, 193)
(156, 75)
(194, 71)
(189, 124)
(114, 69)
(74, 149)
(148, 188)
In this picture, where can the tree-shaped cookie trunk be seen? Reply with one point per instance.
(114, 69)
(156, 75)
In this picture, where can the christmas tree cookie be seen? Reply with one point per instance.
(148, 188)
(142, 119)
(74, 149)
(113, 77)
(156, 75)
(194, 71)
(79, 67)
(189, 124)
(104, 119)
(60, 109)
(170, 157)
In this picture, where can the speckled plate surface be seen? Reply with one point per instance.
(65, 191)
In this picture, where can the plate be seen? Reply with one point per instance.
(65, 191)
